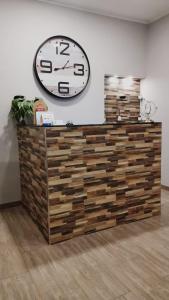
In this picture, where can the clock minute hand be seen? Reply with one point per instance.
(65, 65)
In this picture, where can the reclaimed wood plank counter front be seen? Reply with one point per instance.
(86, 178)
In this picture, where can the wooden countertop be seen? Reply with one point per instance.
(99, 124)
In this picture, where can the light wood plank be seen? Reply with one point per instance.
(130, 262)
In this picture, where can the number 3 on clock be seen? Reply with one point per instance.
(79, 70)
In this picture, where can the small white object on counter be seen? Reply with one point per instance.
(119, 118)
(44, 118)
(59, 122)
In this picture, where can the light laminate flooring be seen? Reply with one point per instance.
(129, 262)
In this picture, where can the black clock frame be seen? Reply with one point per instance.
(36, 73)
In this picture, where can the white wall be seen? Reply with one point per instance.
(113, 46)
(156, 85)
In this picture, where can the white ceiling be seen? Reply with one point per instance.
(143, 11)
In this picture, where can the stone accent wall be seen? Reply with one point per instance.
(115, 89)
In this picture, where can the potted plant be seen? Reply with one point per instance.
(22, 110)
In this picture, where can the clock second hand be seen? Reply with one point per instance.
(64, 67)
(57, 69)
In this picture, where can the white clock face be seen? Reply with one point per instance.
(62, 67)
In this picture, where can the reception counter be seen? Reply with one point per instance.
(81, 179)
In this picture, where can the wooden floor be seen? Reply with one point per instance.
(129, 262)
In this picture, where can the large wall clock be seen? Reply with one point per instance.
(62, 67)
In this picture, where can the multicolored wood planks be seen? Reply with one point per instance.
(83, 179)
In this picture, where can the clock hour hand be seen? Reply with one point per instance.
(57, 69)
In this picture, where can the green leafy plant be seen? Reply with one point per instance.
(21, 109)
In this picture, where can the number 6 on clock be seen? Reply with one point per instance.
(63, 87)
